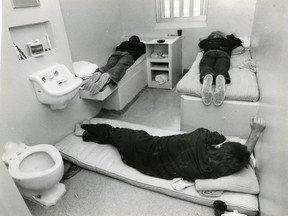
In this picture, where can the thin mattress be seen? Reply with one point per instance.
(239, 190)
(243, 86)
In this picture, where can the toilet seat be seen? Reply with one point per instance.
(16, 173)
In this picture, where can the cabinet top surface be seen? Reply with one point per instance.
(167, 40)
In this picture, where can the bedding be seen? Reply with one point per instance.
(241, 195)
(243, 86)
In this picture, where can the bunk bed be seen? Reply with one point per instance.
(240, 104)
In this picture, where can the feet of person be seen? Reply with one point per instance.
(206, 92)
(96, 87)
(219, 93)
(78, 130)
(93, 79)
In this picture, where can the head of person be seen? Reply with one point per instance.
(217, 34)
(227, 158)
(134, 38)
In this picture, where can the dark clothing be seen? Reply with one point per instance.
(215, 62)
(166, 157)
(216, 57)
(135, 48)
(124, 56)
(225, 44)
(117, 65)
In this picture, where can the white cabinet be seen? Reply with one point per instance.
(164, 62)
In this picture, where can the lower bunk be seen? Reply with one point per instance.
(239, 191)
(232, 118)
(240, 104)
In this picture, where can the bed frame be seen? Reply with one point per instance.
(231, 119)
(129, 86)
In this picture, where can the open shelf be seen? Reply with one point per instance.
(164, 59)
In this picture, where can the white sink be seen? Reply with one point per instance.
(55, 86)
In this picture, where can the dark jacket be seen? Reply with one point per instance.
(135, 48)
(167, 157)
(225, 44)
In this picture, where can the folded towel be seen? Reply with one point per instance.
(161, 78)
(244, 181)
(84, 69)
(180, 184)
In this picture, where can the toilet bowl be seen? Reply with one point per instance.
(36, 171)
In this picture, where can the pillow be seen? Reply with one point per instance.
(246, 42)
(244, 181)
(84, 69)
(238, 50)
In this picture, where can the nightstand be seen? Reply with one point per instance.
(164, 62)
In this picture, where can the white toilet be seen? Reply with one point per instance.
(36, 171)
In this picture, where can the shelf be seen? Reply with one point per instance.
(155, 84)
(24, 34)
(158, 59)
(160, 62)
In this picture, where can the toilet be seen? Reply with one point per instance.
(36, 170)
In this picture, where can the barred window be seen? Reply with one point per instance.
(180, 10)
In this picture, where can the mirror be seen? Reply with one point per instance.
(25, 3)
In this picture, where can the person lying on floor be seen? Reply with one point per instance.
(123, 57)
(201, 154)
(215, 64)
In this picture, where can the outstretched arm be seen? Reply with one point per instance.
(257, 125)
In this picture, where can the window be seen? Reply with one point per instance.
(181, 11)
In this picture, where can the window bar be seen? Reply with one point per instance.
(171, 4)
(158, 11)
(201, 8)
(181, 8)
(204, 7)
(191, 7)
(161, 8)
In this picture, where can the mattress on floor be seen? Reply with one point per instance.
(107, 90)
(106, 160)
(243, 86)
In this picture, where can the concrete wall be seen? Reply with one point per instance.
(94, 28)
(138, 17)
(270, 49)
(11, 202)
(23, 117)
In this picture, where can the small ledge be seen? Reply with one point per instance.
(182, 25)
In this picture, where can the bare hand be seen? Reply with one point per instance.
(257, 124)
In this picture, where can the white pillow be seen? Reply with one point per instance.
(84, 69)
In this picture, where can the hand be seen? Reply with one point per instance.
(257, 124)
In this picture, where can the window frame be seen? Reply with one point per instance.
(195, 21)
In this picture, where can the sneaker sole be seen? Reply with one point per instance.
(206, 93)
(219, 93)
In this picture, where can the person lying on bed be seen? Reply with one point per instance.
(123, 57)
(215, 64)
(201, 154)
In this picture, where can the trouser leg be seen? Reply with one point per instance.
(112, 61)
(127, 141)
(118, 71)
(222, 66)
(207, 65)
